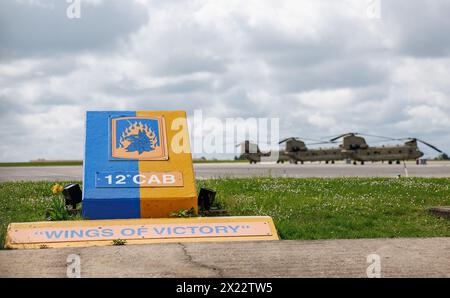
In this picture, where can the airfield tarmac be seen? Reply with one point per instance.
(242, 170)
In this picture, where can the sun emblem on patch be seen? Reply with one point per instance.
(141, 138)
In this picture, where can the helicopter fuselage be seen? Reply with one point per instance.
(257, 156)
(353, 148)
(332, 154)
(394, 153)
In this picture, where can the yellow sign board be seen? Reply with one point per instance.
(138, 231)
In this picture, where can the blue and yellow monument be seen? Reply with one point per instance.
(137, 171)
(137, 165)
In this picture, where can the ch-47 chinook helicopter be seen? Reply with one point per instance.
(252, 153)
(297, 150)
(354, 147)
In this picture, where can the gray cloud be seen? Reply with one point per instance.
(418, 27)
(322, 67)
(30, 29)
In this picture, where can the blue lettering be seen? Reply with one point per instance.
(192, 229)
(107, 232)
(209, 230)
(141, 231)
(127, 232)
(175, 230)
(220, 229)
(234, 229)
(52, 234)
(74, 234)
(160, 232)
(92, 233)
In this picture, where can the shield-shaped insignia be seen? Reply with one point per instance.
(139, 138)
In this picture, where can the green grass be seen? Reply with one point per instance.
(22, 202)
(301, 208)
(340, 208)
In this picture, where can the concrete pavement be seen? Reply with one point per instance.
(403, 257)
(320, 170)
(217, 170)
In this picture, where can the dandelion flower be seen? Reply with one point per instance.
(57, 188)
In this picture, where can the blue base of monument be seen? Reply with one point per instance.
(109, 202)
(111, 209)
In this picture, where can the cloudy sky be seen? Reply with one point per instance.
(322, 67)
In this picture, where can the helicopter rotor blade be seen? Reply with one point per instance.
(361, 134)
(304, 139)
(312, 140)
(376, 136)
(342, 136)
(421, 141)
(293, 139)
(240, 144)
(285, 140)
(320, 143)
(243, 143)
(429, 145)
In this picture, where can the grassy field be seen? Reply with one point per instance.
(340, 208)
(301, 208)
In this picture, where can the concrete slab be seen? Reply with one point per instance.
(404, 257)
